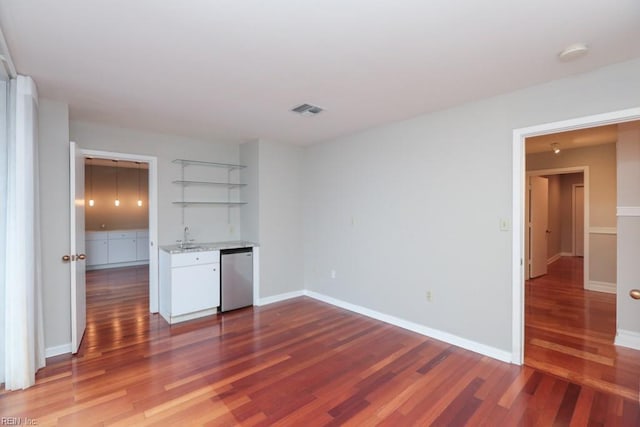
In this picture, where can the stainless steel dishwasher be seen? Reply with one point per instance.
(236, 278)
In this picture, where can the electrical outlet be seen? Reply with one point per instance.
(333, 274)
(428, 296)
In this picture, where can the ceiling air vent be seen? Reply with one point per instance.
(307, 110)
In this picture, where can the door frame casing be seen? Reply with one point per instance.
(573, 216)
(153, 213)
(585, 177)
(518, 192)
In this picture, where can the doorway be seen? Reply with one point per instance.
(518, 240)
(78, 287)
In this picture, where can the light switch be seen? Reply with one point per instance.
(505, 224)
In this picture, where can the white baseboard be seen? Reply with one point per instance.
(554, 258)
(566, 254)
(628, 339)
(279, 297)
(117, 265)
(607, 287)
(57, 350)
(474, 346)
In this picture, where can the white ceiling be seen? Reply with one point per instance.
(232, 69)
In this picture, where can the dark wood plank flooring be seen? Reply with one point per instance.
(295, 363)
(570, 332)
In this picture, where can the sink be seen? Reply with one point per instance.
(189, 246)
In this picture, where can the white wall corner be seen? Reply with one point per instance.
(279, 297)
(628, 339)
(608, 287)
(57, 350)
(470, 345)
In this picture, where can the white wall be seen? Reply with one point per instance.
(414, 206)
(54, 218)
(207, 224)
(249, 214)
(280, 219)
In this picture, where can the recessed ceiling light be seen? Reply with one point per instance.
(573, 51)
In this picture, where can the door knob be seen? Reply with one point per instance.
(66, 258)
(634, 293)
(81, 256)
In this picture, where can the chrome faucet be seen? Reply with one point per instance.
(186, 234)
(185, 238)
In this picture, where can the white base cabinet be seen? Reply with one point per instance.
(117, 248)
(189, 285)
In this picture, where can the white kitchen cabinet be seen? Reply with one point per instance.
(189, 285)
(122, 246)
(97, 247)
(116, 248)
(142, 245)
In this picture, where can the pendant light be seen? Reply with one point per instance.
(139, 199)
(91, 201)
(117, 201)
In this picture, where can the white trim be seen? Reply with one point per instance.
(628, 211)
(603, 230)
(190, 316)
(153, 214)
(585, 224)
(607, 287)
(628, 339)
(554, 258)
(518, 171)
(57, 350)
(467, 344)
(566, 254)
(279, 297)
(256, 275)
(117, 265)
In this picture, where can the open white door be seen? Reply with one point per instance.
(77, 256)
(539, 220)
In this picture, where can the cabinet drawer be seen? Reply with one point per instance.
(96, 235)
(122, 235)
(195, 258)
(142, 234)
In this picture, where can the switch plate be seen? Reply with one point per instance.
(505, 224)
(333, 274)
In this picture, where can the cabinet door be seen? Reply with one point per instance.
(122, 250)
(142, 248)
(193, 288)
(97, 252)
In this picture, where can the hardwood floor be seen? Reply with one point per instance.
(570, 332)
(297, 362)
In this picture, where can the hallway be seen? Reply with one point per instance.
(569, 332)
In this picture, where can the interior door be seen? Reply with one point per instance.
(538, 225)
(578, 220)
(77, 256)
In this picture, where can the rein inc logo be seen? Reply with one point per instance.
(18, 421)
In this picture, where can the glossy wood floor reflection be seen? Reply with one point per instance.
(570, 332)
(295, 363)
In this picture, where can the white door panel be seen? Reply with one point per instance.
(77, 249)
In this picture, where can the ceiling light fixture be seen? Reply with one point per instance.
(573, 51)
(117, 201)
(556, 148)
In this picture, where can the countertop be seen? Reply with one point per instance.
(209, 246)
